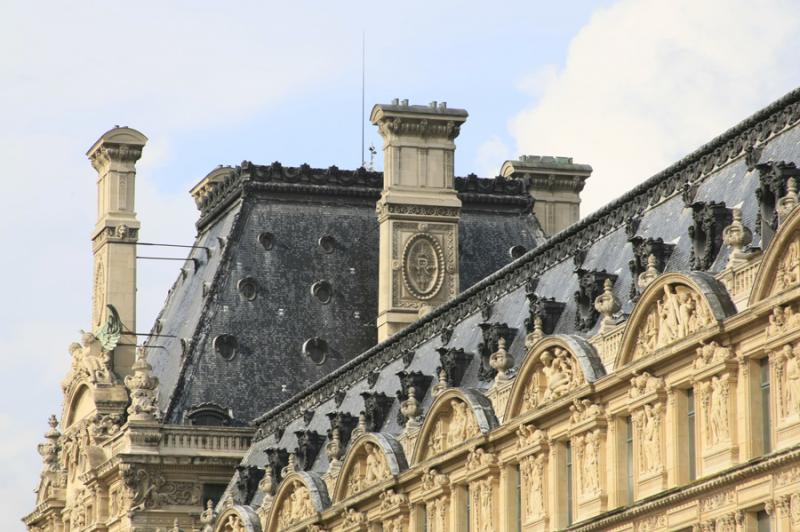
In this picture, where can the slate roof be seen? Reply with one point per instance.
(231, 332)
(672, 205)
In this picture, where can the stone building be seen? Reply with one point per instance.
(637, 370)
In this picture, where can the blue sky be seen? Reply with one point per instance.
(626, 86)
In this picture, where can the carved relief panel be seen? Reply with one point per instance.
(680, 312)
(296, 506)
(588, 435)
(786, 366)
(647, 407)
(715, 371)
(424, 263)
(369, 468)
(557, 373)
(451, 427)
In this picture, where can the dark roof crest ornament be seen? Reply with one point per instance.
(376, 407)
(709, 220)
(454, 363)
(492, 333)
(309, 443)
(642, 249)
(590, 286)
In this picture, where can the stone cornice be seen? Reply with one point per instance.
(692, 169)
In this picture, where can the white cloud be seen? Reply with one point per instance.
(489, 153)
(646, 81)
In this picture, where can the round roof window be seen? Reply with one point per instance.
(316, 349)
(517, 251)
(327, 243)
(225, 345)
(267, 240)
(323, 291)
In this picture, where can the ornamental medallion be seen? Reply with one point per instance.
(423, 259)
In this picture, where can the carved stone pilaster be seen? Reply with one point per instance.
(647, 408)
(588, 443)
(715, 378)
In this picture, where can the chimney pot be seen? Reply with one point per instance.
(404, 102)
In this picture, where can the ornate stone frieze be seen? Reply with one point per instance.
(709, 220)
(148, 490)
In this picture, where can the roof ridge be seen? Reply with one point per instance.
(741, 138)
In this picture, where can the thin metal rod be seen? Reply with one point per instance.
(208, 250)
(363, 89)
(154, 335)
(162, 258)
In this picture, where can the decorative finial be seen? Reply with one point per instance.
(607, 305)
(442, 384)
(333, 450)
(49, 449)
(410, 408)
(737, 236)
(501, 361)
(787, 203)
(650, 274)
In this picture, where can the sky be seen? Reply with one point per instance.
(626, 86)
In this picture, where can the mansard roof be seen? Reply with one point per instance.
(676, 216)
(282, 287)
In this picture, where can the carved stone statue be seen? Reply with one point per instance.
(791, 371)
(142, 386)
(501, 361)
(460, 424)
(561, 373)
(710, 354)
(649, 425)
(716, 400)
(376, 469)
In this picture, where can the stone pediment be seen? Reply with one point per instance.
(780, 268)
(372, 459)
(300, 498)
(457, 415)
(554, 367)
(672, 308)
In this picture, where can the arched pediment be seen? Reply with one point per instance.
(372, 459)
(554, 367)
(675, 306)
(457, 415)
(238, 519)
(300, 498)
(780, 267)
(78, 405)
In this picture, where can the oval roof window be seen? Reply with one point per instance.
(316, 349)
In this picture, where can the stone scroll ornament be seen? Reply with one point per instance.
(423, 266)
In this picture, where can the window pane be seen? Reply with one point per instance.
(690, 433)
(765, 400)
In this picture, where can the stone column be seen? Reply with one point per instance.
(116, 232)
(418, 211)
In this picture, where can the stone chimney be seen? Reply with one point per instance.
(555, 184)
(116, 232)
(418, 211)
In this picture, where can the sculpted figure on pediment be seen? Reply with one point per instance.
(679, 313)
(556, 375)
(788, 274)
(462, 425)
(295, 507)
(781, 320)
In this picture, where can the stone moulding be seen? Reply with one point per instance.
(731, 145)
